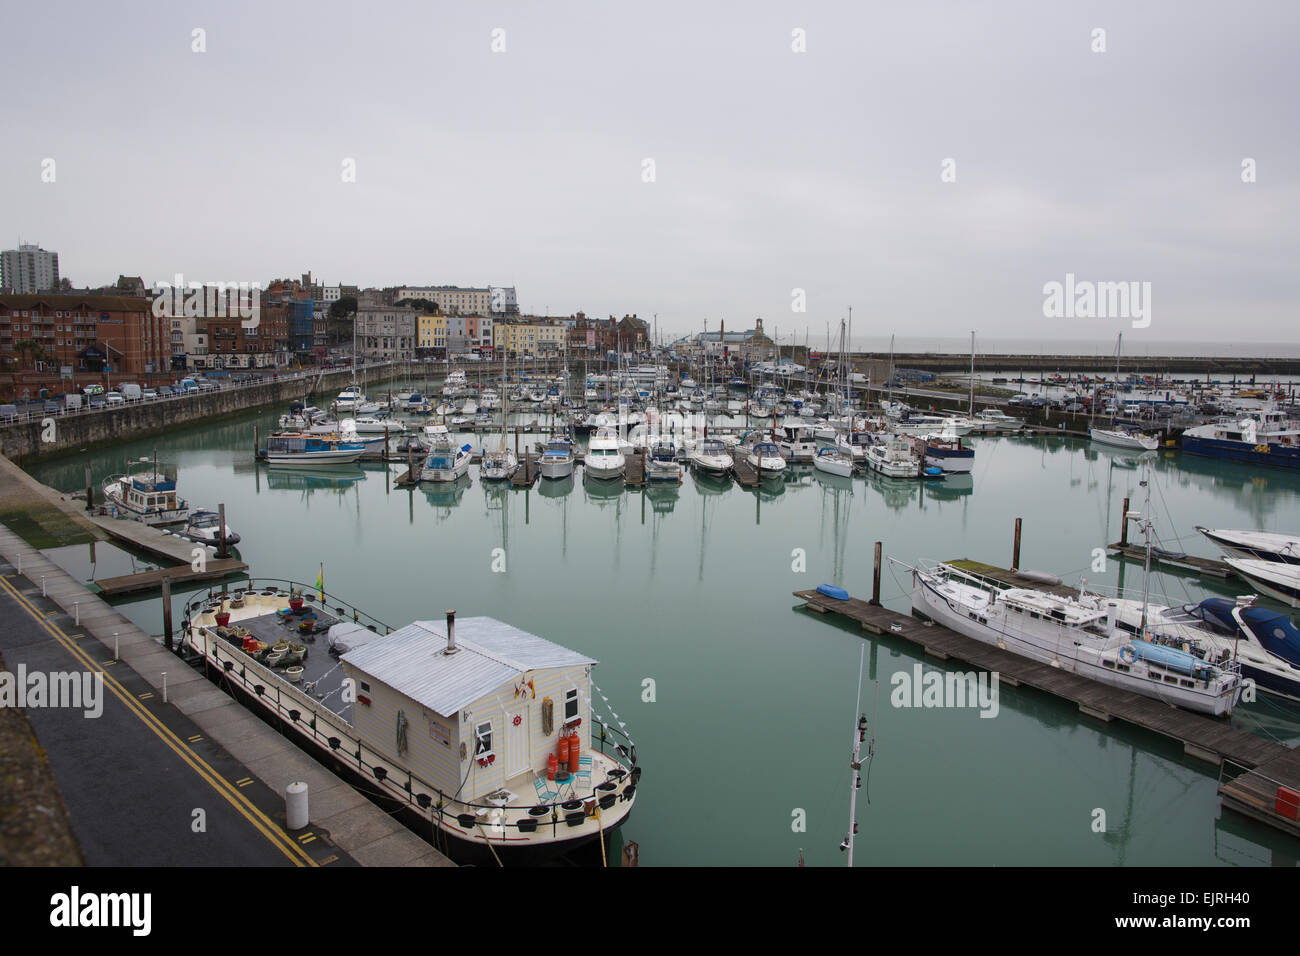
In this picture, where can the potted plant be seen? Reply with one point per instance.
(295, 599)
(223, 616)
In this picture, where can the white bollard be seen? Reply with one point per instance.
(76, 612)
(42, 585)
(115, 657)
(164, 674)
(295, 805)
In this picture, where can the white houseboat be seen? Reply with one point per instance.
(472, 726)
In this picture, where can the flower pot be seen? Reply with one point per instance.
(295, 604)
(294, 673)
(223, 618)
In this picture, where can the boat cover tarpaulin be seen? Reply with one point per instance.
(346, 636)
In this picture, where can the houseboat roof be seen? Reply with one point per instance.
(412, 661)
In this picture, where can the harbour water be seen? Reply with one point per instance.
(741, 705)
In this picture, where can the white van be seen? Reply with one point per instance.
(130, 391)
(71, 402)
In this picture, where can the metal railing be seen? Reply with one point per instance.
(397, 782)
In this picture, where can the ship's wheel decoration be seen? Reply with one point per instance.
(518, 720)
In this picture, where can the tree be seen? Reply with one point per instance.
(30, 351)
(424, 305)
(344, 307)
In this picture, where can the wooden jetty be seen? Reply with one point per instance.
(634, 472)
(527, 473)
(1168, 559)
(746, 474)
(170, 548)
(1269, 793)
(1206, 738)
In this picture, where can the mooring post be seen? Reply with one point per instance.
(1015, 548)
(255, 443)
(1123, 526)
(875, 577)
(221, 532)
(167, 612)
(90, 491)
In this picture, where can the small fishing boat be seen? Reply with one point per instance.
(148, 496)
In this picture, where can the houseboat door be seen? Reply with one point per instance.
(518, 759)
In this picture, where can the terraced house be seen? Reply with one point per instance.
(386, 332)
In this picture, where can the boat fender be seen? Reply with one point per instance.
(1128, 654)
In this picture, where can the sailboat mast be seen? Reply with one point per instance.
(972, 372)
(855, 764)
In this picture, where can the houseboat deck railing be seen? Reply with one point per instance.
(327, 729)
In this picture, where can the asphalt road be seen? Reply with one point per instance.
(134, 777)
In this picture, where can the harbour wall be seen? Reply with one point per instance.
(49, 436)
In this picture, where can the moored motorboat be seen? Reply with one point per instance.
(296, 448)
(1273, 578)
(1259, 545)
(604, 459)
(204, 527)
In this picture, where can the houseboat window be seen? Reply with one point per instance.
(365, 687)
(483, 736)
(570, 705)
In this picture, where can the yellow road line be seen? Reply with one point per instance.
(262, 823)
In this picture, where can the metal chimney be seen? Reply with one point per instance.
(451, 633)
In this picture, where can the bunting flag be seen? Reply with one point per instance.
(320, 582)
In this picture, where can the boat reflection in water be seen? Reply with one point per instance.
(951, 487)
(320, 478)
(602, 492)
(833, 482)
(707, 484)
(663, 495)
(555, 487)
(898, 493)
(446, 494)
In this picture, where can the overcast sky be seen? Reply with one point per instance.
(774, 170)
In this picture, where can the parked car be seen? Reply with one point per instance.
(115, 398)
(149, 394)
(165, 391)
(130, 391)
(53, 408)
(97, 401)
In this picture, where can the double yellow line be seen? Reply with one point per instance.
(224, 788)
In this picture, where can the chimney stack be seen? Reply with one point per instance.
(451, 633)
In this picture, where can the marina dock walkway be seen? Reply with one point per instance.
(1273, 769)
(240, 765)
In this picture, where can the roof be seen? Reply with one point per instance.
(76, 300)
(491, 653)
